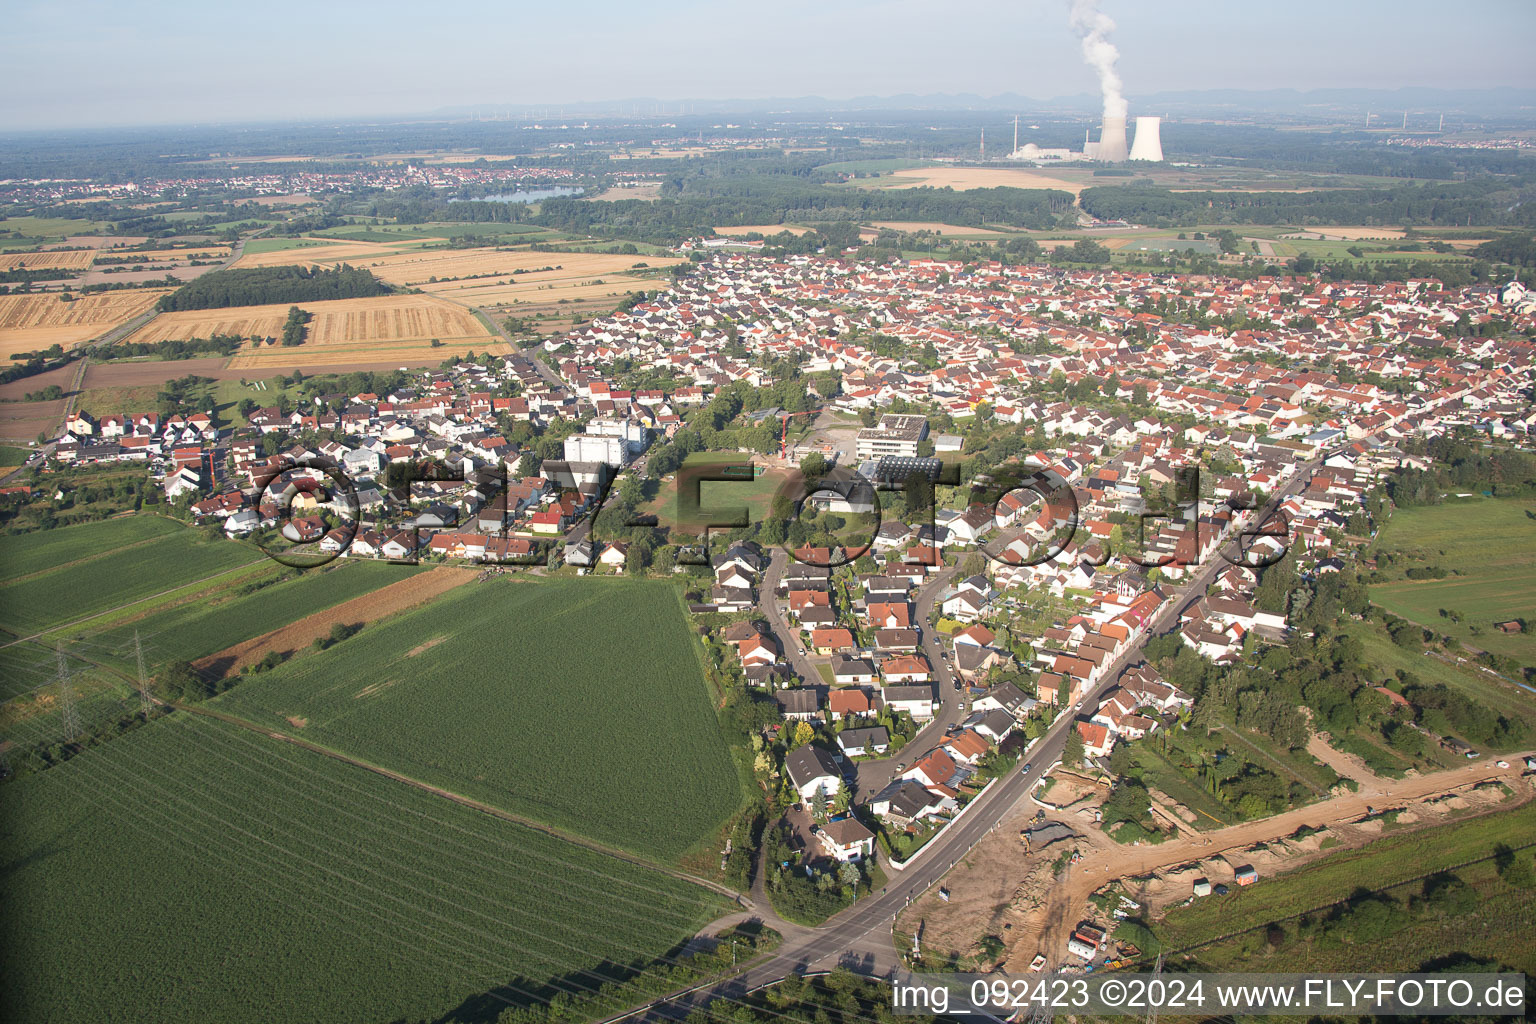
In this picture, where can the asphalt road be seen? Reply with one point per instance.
(859, 937)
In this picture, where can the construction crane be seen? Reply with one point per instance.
(784, 418)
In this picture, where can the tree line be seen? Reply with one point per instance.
(261, 286)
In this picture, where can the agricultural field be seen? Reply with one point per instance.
(1491, 543)
(1498, 929)
(247, 607)
(73, 259)
(41, 320)
(388, 329)
(762, 229)
(578, 703)
(334, 893)
(962, 179)
(96, 567)
(282, 252)
(521, 280)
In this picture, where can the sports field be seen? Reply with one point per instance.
(37, 321)
(1491, 543)
(233, 878)
(579, 703)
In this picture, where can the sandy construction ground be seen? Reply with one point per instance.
(37, 321)
(48, 259)
(409, 592)
(997, 884)
(962, 178)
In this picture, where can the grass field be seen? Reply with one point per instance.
(1492, 543)
(37, 321)
(257, 881)
(389, 327)
(1500, 929)
(716, 496)
(578, 703)
(96, 567)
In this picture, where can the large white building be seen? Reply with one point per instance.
(896, 435)
(591, 448)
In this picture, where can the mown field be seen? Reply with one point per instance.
(1499, 929)
(579, 703)
(1491, 542)
(37, 321)
(68, 574)
(194, 871)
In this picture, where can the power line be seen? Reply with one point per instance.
(67, 709)
(145, 704)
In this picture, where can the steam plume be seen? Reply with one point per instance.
(1094, 27)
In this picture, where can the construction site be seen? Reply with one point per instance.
(1048, 889)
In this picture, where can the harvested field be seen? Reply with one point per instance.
(962, 178)
(47, 260)
(397, 597)
(200, 252)
(23, 421)
(762, 229)
(31, 322)
(154, 371)
(1338, 234)
(416, 269)
(326, 252)
(390, 328)
(296, 199)
(934, 226)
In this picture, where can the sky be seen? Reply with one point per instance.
(91, 63)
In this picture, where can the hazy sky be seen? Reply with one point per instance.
(130, 62)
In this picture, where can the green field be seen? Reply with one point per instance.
(194, 871)
(242, 611)
(1491, 542)
(96, 567)
(577, 703)
(1500, 929)
(716, 497)
(12, 456)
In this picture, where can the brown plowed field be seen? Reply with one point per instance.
(397, 597)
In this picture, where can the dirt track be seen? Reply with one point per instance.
(999, 890)
(397, 597)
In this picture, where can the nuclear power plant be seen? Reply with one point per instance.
(1110, 149)
(1149, 143)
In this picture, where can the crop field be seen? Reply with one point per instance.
(37, 321)
(1491, 542)
(576, 703)
(938, 228)
(389, 328)
(196, 252)
(104, 572)
(1499, 928)
(48, 260)
(235, 864)
(24, 554)
(247, 607)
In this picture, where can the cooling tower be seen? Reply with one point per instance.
(1149, 143)
(1112, 141)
